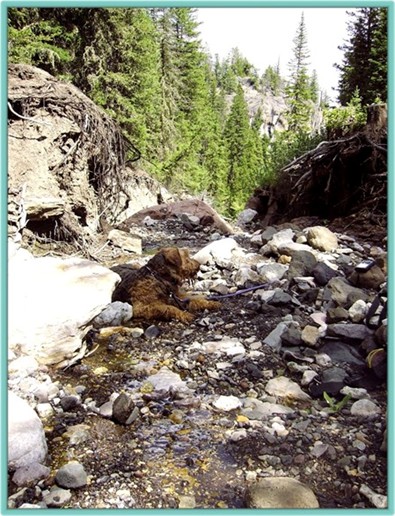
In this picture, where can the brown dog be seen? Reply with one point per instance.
(154, 290)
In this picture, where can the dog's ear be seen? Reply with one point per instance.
(172, 255)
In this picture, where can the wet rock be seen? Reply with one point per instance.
(26, 437)
(321, 238)
(69, 402)
(283, 387)
(115, 314)
(280, 493)
(71, 475)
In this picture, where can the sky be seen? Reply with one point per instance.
(265, 35)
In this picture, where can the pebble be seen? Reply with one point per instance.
(227, 403)
(71, 475)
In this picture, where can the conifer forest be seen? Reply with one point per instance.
(184, 112)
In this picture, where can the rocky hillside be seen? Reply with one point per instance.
(72, 170)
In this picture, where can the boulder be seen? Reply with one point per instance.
(321, 238)
(26, 437)
(280, 493)
(52, 302)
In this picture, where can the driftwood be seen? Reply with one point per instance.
(336, 179)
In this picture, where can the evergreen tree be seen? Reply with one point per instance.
(299, 87)
(365, 56)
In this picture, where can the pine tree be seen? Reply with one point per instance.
(298, 90)
(365, 56)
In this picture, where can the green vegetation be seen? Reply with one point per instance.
(186, 112)
(336, 406)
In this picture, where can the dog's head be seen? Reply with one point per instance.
(174, 262)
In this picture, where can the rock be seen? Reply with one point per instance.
(302, 264)
(57, 497)
(283, 387)
(69, 402)
(52, 302)
(23, 366)
(77, 434)
(125, 241)
(371, 279)
(323, 273)
(343, 293)
(268, 234)
(337, 314)
(115, 314)
(245, 275)
(321, 238)
(31, 473)
(122, 408)
(71, 475)
(350, 331)
(227, 403)
(44, 410)
(186, 502)
(246, 216)
(332, 381)
(281, 238)
(230, 346)
(280, 493)
(365, 408)
(339, 351)
(378, 500)
(358, 311)
(43, 208)
(257, 409)
(165, 380)
(271, 272)
(274, 338)
(292, 335)
(310, 335)
(26, 438)
(217, 252)
(355, 393)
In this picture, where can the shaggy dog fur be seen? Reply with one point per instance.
(154, 290)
